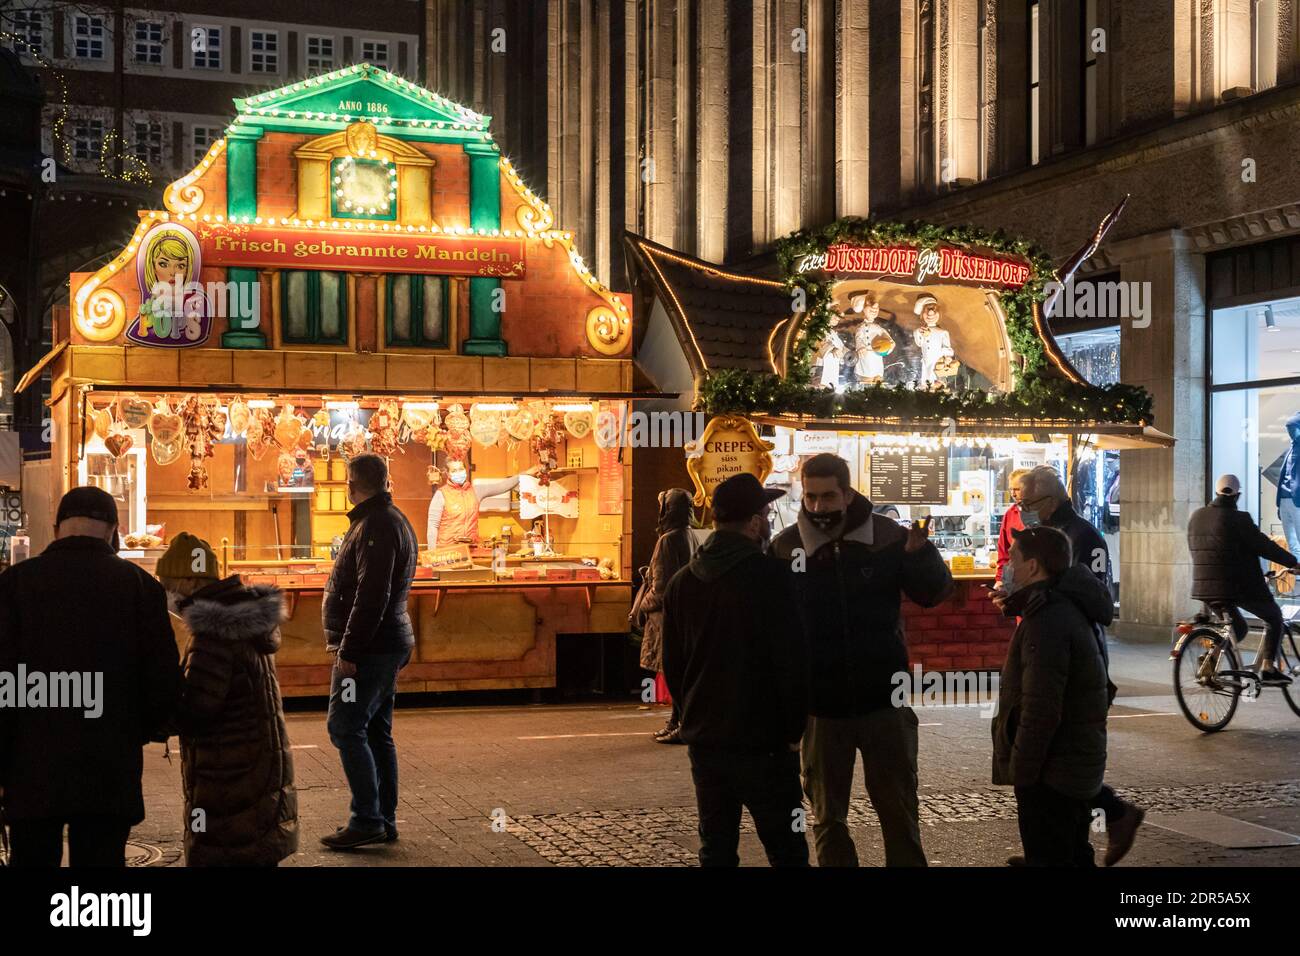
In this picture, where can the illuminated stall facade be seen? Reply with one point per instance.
(355, 267)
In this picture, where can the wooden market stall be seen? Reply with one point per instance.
(355, 267)
(919, 354)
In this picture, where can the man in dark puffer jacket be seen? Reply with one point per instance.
(1226, 547)
(241, 808)
(368, 628)
(1049, 735)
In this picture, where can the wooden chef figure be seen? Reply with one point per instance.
(871, 341)
(937, 357)
(453, 512)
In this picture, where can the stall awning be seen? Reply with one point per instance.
(1109, 436)
(35, 371)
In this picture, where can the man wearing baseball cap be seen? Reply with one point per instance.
(78, 609)
(1226, 547)
(733, 654)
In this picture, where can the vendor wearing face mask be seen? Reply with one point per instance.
(852, 569)
(453, 512)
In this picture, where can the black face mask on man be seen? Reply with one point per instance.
(824, 520)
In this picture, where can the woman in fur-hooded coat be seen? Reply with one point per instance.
(241, 808)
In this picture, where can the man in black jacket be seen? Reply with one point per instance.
(1049, 735)
(851, 569)
(1226, 547)
(79, 618)
(733, 655)
(368, 629)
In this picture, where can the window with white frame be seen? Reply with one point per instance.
(28, 29)
(148, 47)
(320, 54)
(87, 139)
(1034, 152)
(201, 139)
(147, 142)
(264, 51)
(88, 37)
(375, 51)
(205, 47)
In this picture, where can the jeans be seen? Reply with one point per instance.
(1268, 612)
(767, 784)
(1290, 515)
(92, 841)
(1053, 827)
(360, 724)
(888, 740)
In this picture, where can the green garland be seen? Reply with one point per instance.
(1035, 395)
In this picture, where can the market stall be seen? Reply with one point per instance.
(355, 268)
(920, 355)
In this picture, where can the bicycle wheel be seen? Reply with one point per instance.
(1208, 696)
(1289, 661)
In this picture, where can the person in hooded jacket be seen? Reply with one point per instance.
(853, 569)
(1226, 547)
(236, 762)
(734, 657)
(672, 552)
(1049, 735)
(1288, 486)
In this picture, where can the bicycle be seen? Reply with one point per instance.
(1208, 692)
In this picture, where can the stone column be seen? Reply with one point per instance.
(712, 117)
(1159, 489)
(852, 109)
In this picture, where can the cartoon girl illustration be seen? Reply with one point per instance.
(173, 308)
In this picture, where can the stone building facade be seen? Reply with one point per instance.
(714, 127)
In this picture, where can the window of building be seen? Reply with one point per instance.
(264, 51)
(417, 310)
(1090, 55)
(28, 29)
(314, 307)
(88, 37)
(1255, 412)
(87, 140)
(147, 143)
(925, 145)
(148, 42)
(1033, 84)
(205, 47)
(201, 140)
(375, 51)
(363, 189)
(320, 54)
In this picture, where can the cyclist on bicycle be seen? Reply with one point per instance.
(1226, 546)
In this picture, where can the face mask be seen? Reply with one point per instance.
(457, 477)
(824, 520)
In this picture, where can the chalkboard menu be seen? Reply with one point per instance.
(913, 478)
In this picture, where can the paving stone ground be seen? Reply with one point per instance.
(583, 785)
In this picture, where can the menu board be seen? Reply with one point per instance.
(912, 478)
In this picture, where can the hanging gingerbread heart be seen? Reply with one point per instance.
(238, 417)
(578, 424)
(134, 411)
(165, 453)
(165, 425)
(521, 423)
(103, 421)
(118, 443)
(287, 428)
(485, 427)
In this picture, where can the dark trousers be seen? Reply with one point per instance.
(1109, 803)
(1054, 827)
(92, 841)
(767, 785)
(1268, 612)
(888, 741)
(360, 724)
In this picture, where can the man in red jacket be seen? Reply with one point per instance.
(1011, 522)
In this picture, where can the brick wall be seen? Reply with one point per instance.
(964, 633)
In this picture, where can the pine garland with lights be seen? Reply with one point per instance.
(1036, 394)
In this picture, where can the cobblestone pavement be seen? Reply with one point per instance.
(583, 785)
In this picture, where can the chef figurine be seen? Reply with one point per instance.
(453, 512)
(871, 340)
(936, 346)
(830, 353)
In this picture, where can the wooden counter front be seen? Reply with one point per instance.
(472, 636)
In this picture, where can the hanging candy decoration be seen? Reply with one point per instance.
(103, 421)
(214, 420)
(521, 423)
(383, 429)
(546, 438)
(284, 467)
(118, 442)
(321, 419)
(417, 419)
(200, 423)
(165, 453)
(353, 442)
(287, 428)
(260, 426)
(578, 424)
(485, 425)
(458, 439)
(134, 411)
(165, 425)
(239, 417)
(434, 475)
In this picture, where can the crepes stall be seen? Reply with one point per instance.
(355, 268)
(920, 355)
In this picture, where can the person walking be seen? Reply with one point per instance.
(734, 659)
(1226, 547)
(78, 609)
(673, 551)
(1049, 734)
(241, 808)
(368, 628)
(1044, 500)
(854, 566)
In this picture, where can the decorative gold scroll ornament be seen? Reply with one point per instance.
(728, 447)
(607, 332)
